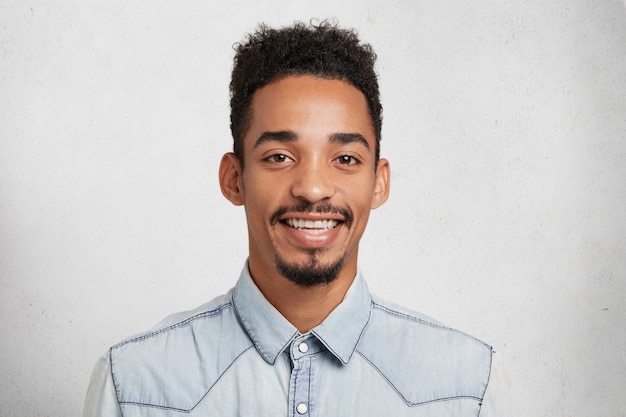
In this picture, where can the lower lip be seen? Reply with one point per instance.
(312, 240)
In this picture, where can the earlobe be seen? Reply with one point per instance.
(230, 178)
(381, 187)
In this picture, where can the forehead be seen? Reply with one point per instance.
(309, 106)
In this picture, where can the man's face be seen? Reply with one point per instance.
(309, 180)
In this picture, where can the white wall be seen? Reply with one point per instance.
(505, 123)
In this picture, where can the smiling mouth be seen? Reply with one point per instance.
(313, 218)
(312, 226)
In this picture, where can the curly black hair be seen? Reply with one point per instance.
(321, 50)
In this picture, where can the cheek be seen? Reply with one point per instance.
(260, 199)
(253, 190)
(360, 193)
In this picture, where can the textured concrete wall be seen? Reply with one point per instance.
(505, 123)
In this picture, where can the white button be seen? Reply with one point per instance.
(301, 408)
(304, 348)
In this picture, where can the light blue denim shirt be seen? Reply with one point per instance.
(238, 356)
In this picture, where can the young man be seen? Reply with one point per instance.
(299, 335)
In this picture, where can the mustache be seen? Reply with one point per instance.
(321, 208)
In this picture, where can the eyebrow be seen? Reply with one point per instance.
(291, 136)
(281, 136)
(345, 138)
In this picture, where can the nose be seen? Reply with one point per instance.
(313, 182)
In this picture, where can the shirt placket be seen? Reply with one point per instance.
(302, 350)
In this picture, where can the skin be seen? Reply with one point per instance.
(310, 142)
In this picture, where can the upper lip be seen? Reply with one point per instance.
(312, 213)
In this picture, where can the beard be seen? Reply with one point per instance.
(311, 273)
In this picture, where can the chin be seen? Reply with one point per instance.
(311, 272)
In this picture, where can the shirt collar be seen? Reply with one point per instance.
(270, 332)
(341, 331)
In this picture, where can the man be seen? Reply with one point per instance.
(299, 335)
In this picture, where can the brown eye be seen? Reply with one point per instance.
(347, 160)
(279, 158)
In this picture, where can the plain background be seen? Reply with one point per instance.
(505, 124)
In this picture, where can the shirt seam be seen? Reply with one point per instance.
(409, 317)
(480, 405)
(183, 323)
(184, 410)
(406, 401)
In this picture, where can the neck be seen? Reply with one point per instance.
(304, 307)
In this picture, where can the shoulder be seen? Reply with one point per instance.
(408, 324)
(422, 358)
(395, 310)
(205, 314)
(153, 366)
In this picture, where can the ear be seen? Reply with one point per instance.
(231, 178)
(382, 184)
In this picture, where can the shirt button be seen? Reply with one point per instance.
(302, 408)
(304, 348)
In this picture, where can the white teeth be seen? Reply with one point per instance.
(312, 226)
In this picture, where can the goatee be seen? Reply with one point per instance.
(310, 273)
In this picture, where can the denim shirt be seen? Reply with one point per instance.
(238, 356)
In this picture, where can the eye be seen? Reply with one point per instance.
(347, 160)
(279, 158)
